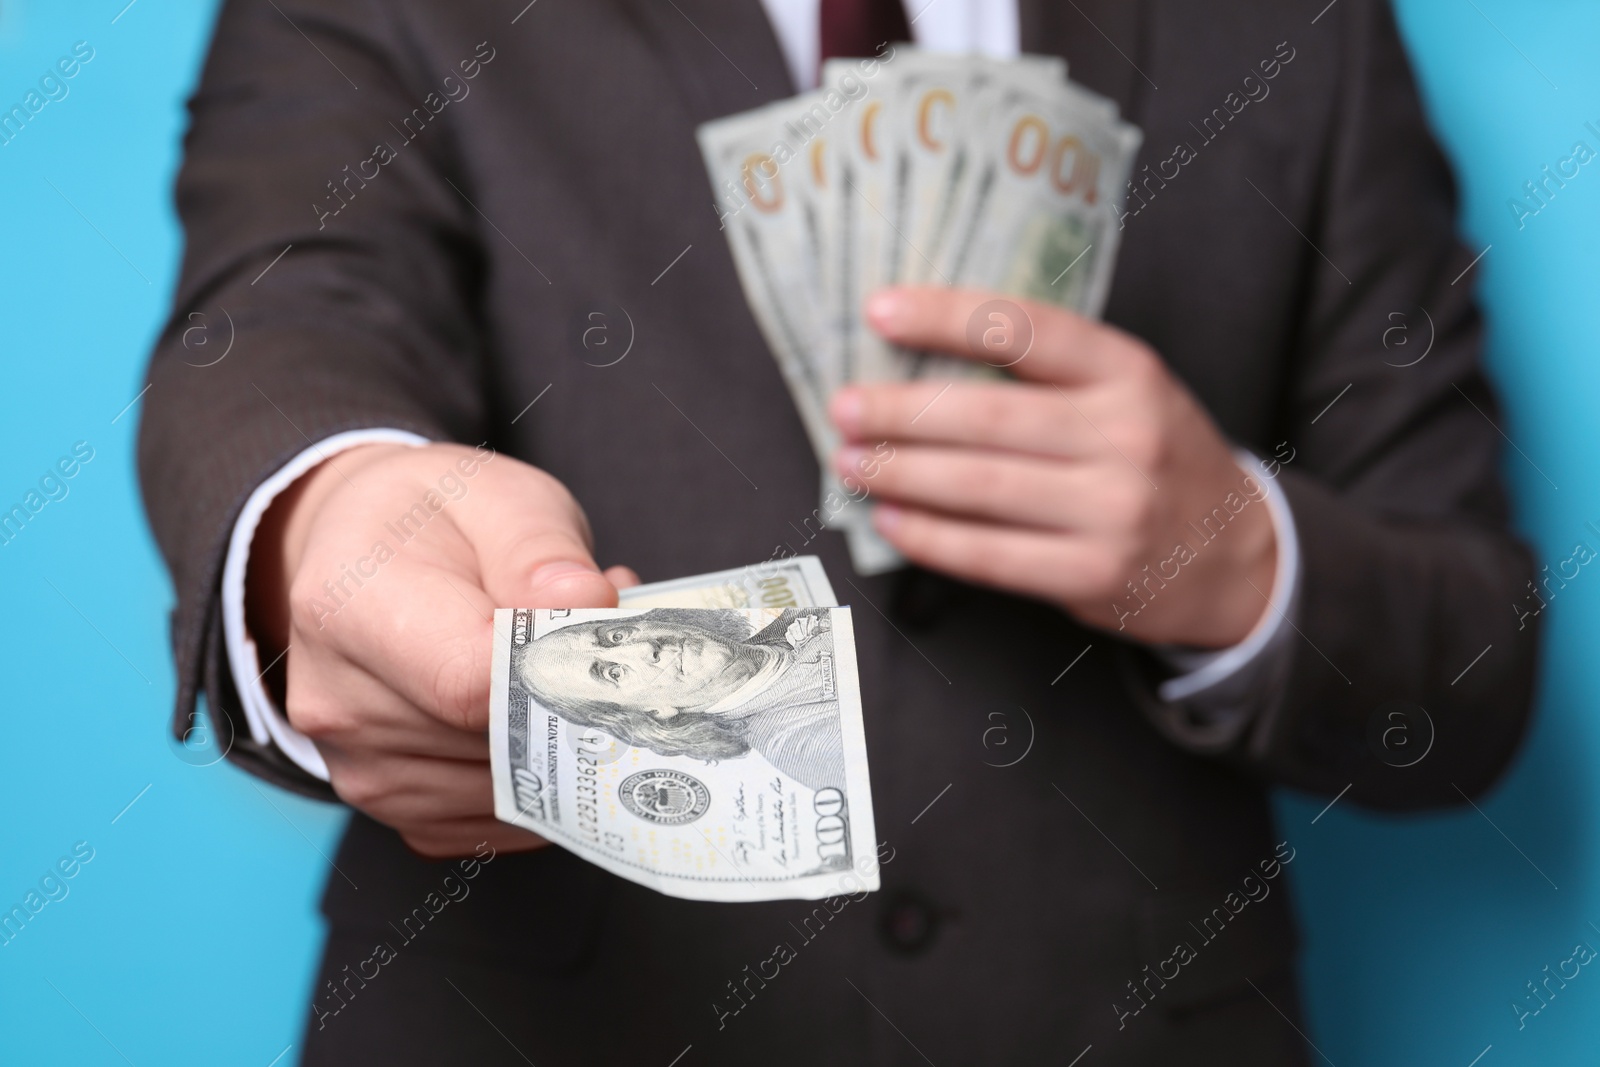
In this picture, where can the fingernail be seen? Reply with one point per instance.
(886, 311)
(846, 410)
(886, 517)
(848, 460)
(551, 573)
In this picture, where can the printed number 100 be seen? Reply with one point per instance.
(832, 826)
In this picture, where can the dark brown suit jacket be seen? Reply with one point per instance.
(454, 285)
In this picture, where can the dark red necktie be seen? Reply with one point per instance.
(860, 27)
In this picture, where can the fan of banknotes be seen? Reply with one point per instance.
(918, 168)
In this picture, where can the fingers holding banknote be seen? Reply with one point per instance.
(1069, 483)
(380, 572)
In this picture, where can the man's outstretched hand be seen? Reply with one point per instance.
(380, 571)
(1067, 483)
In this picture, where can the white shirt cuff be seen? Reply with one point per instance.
(1210, 668)
(267, 722)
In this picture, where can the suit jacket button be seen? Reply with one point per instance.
(908, 922)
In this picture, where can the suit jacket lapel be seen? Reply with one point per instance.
(723, 55)
(1103, 41)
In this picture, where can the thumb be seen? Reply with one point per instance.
(532, 542)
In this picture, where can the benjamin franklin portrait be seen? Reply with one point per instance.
(701, 683)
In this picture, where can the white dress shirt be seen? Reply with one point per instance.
(1215, 689)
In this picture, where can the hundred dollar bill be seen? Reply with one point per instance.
(1039, 217)
(867, 219)
(940, 128)
(765, 169)
(708, 753)
(936, 129)
(771, 167)
(796, 582)
(866, 222)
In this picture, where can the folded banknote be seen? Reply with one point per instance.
(703, 739)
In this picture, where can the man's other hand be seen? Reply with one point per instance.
(379, 571)
(1067, 484)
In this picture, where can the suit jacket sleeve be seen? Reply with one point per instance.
(337, 322)
(1409, 571)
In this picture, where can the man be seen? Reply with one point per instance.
(666, 682)
(412, 213)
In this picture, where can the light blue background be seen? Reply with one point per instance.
(191, 935)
